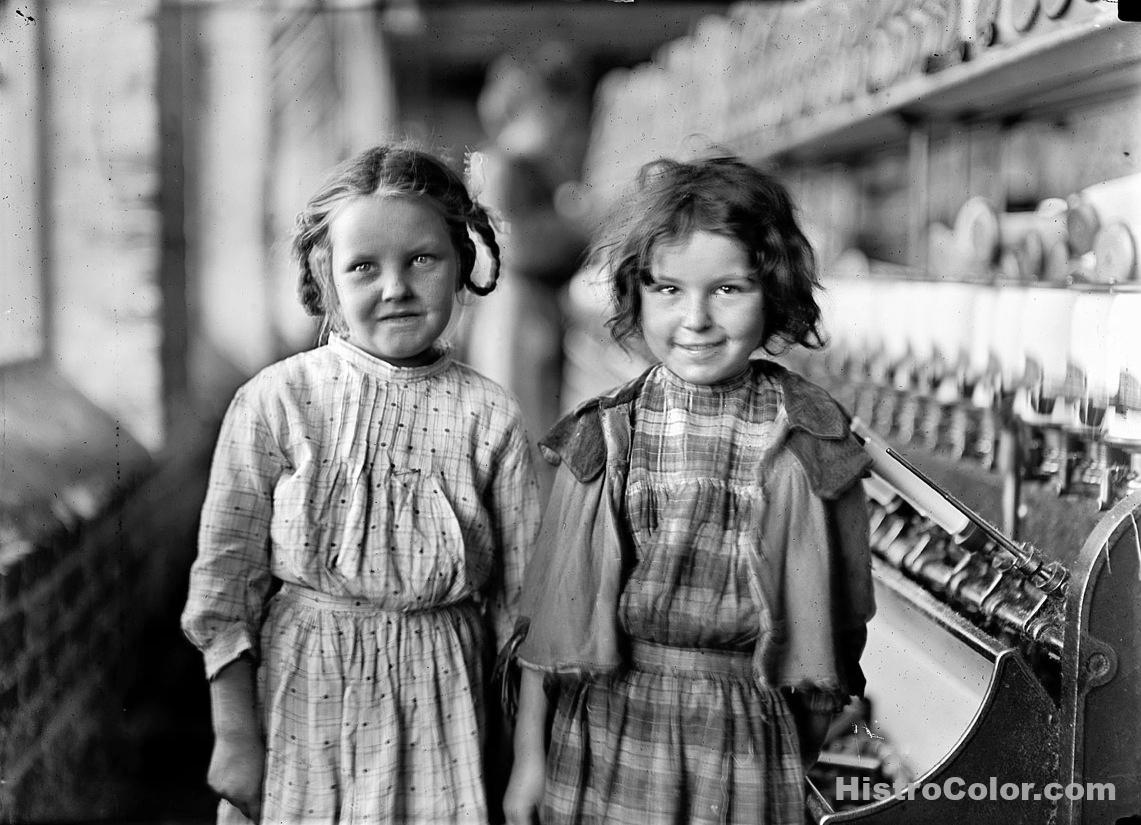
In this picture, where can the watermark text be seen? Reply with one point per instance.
(955, 788)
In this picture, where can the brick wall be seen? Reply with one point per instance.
(90, 588)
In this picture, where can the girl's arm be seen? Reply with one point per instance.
(529, 773)
(855, 601)
(853, 605)
(230, 578)
(516, 513)
(237, 764)
(229, 583)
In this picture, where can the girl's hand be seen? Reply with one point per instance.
(529, 773)
(524, 792)
(237, 768)
(811, 726)
(812, 729)
(237, 765)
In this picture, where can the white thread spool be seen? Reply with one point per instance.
(919, 316)
(1046, 318)
(894, 311)
(1087, 364)
(846, 306)
(1006, 348)
(952, 321)
(981, 356)
(1123, 351)
(1056, 267)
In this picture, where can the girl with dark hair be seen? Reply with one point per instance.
(363, 536)
(695, 610)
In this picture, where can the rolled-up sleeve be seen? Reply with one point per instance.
(230, 578)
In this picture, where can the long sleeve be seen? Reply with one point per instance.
(815, 579)
(854, 602)
(230, 578)
(853, 599)
(515, 515)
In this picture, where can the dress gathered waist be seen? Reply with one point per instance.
(681, 661)
(308, 597)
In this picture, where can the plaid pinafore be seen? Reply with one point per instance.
(684, 734)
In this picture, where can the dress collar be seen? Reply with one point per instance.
(675, 382)
(577, 438)
(378, 367)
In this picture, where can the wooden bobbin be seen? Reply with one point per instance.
(1082, 224)
(1023, 14)
(976, 231)
(1115, 253)
(1056, 263)
(1118, 199)
(980, 24)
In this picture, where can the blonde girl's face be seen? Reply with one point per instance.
(396, 274)
(703, 312)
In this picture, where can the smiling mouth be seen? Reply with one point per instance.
(699, 348)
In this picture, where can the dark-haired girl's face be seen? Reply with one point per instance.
(703, 312)
(396, 273)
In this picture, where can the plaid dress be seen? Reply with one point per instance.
(395, 506)
(684, 736)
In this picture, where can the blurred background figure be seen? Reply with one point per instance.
(535, 109)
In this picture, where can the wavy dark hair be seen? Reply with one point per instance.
(672, 200)
(398, 169)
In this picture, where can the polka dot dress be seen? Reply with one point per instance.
(396, 507)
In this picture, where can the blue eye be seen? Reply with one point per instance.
(362, 266)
